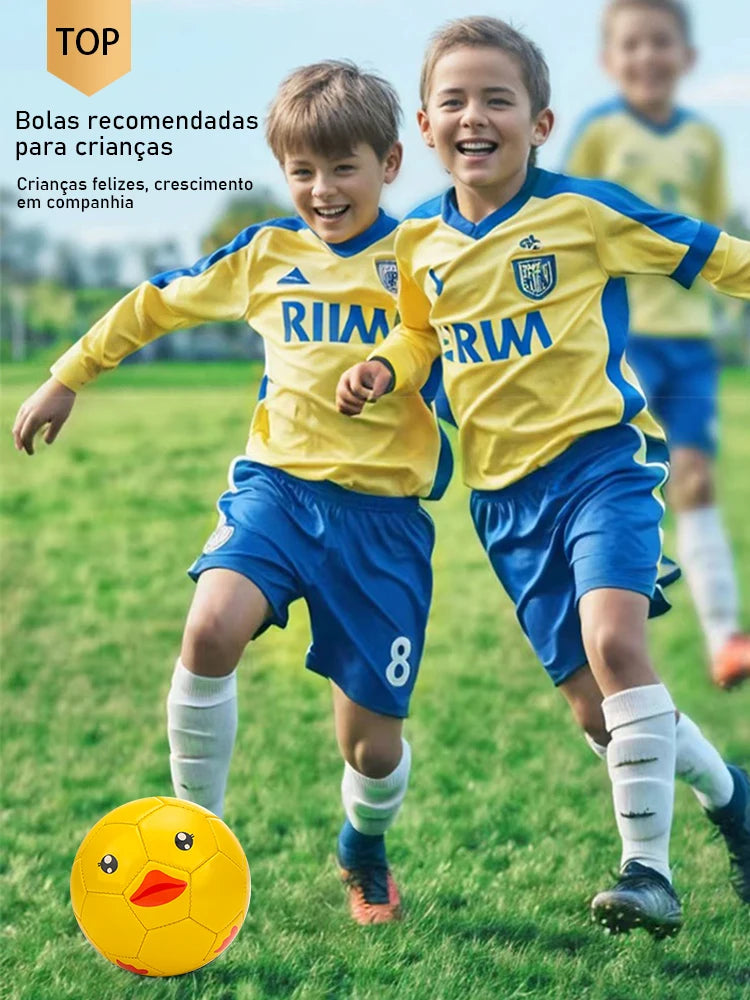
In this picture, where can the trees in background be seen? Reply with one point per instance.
(52, 291)
(240, 212)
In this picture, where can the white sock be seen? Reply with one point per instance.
(701, 766)
(641, 763)
(704, 554)
(599, 750)
(371, 804)
(202, 724)
(697, 763)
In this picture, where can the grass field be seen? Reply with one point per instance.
(507, 830)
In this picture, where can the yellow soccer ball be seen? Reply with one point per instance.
(160, 886)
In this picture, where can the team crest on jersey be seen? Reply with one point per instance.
(220, 536)
(536, 276)
(388, 274)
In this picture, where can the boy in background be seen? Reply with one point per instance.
(516, 276)
(317, 509)
(671, 158)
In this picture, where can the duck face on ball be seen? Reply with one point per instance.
(160, 886)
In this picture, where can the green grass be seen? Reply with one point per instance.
(507, 830)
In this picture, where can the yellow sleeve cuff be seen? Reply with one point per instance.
(411, 362)
(71, 369)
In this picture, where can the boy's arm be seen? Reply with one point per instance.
(214, 289)
(728, 266)
(50, 405)
(411, 347)
(402, 363)
(633, 237)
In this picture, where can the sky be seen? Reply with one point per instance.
(219, 55)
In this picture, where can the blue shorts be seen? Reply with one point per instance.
(589, 519)
(361, 562)
(680, 377)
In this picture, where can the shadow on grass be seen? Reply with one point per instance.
(704, 969)
(573, 941)
(220, 983)
(515, 933)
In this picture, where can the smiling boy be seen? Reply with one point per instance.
(317, 508)
(516, 276)
(674, 159)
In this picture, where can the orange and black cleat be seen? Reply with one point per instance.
(373, 896)
(731, 665)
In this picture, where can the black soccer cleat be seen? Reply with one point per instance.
(641, 898)
(733, 823)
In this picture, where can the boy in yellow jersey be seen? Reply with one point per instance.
(672, 158)
(515, 275)
(317, 508)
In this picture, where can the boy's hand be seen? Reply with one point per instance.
(363, 383)
(50, 404)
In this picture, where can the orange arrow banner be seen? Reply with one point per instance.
(88, 42)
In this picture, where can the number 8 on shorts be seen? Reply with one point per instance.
(398, 670)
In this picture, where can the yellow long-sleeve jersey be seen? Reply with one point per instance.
(677, 166)
(319, 308)
(530, 313)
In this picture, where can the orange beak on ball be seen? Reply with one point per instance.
(158, 888)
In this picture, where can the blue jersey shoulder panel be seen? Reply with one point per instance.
(603, 110)
(428, 209)
(699, 237)
(241, 240)
(678, 228)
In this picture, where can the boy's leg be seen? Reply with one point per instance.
(590, 521)
(706, 559)
(246, 579)
(542, 551)
(640, 718)
(376, 772)
(613, 544)
(680, 379)
(584, 698)
(697, 762)
(369, 598)
(723, 790)
(226, 612)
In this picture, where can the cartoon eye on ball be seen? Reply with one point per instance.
(184, 841)
(108, 864)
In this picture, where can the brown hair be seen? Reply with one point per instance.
(331, 106)
(676, 8)
(489, 32)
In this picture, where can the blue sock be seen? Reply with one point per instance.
(734, 809)
(360, 850)
(738, 801)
